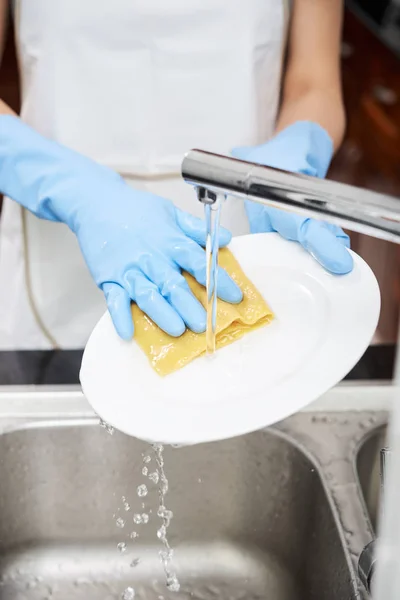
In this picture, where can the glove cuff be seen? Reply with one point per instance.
(303, 147)
(45, 177)
(21, 160)
(320, 146)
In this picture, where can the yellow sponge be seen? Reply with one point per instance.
(168, 354)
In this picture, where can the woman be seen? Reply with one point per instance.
(124, 89)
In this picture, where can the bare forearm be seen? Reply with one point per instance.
(312, 83)
(323, 106)
(5, 109)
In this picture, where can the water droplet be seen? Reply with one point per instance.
(125, 503)
(142, 491)
(173, 584)
(121, 547)
(166, 514)
(161, 532)
(120, 523)
(107, 427)
(137, 519)
(134, 535)
(145, 471)
(128, 594)
(154, 477)
(200, 480)
(146, 458)
(145, 518)
(166, 555)
(135, 562)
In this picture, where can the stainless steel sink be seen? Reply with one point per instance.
(253, 518)
(277, 514)
(368, 469)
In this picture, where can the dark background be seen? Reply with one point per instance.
(61, 367)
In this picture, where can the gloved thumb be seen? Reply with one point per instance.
(195, 228)
(326, 244)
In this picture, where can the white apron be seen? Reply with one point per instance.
(133, 84)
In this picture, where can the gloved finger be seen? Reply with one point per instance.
(148, 298)
(193, 260)
(315, 237)
(258, 217)
(175, 290)
(119, 306)
(289, 225)
(325, 247)
(339, 234)
(196, 229)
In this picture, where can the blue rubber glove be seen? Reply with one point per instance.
(134, 243)
(303, 147)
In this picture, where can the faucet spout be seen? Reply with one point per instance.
(350, 207)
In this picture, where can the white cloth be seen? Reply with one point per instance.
(134, 85)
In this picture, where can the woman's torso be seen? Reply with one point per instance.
(134, 85)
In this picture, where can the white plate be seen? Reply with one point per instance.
(323, 325)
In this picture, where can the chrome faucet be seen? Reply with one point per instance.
(350, 207)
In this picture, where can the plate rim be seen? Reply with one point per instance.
(336, 376)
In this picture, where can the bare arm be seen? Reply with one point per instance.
(312, 84)
(4, 108)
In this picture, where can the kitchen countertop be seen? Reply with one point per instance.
(32, 403)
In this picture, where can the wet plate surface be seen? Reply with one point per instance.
(322, 327)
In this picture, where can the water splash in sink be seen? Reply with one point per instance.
(128, 594)
(165, 515)
(109, 428)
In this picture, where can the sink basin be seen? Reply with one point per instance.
(368, 469)
(252, 519)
